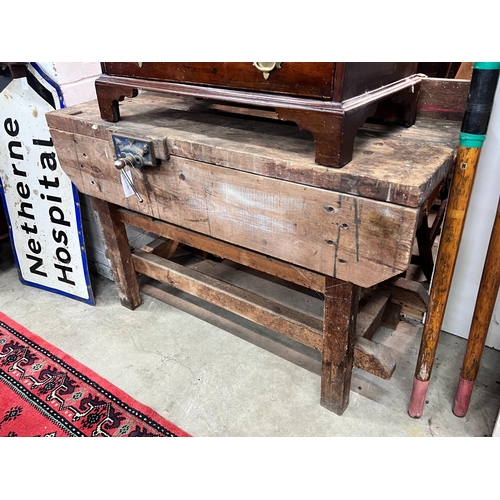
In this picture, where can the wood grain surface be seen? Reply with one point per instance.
(390, 163)
(348, 237)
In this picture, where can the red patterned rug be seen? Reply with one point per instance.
(45, 392)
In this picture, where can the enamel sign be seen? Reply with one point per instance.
(40, 200)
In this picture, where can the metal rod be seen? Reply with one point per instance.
(120, 165)
(131, 184)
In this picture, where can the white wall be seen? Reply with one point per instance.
(476, 237)
(76, 79)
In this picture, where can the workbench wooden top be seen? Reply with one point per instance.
(253, 182)
(391, 163)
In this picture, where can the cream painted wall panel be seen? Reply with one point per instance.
(76, 79)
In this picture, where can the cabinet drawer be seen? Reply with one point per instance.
(292, 78)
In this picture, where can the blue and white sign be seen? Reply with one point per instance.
(40, 200)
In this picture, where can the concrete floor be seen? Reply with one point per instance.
(181, 360)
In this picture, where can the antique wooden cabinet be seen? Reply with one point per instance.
(330, 100)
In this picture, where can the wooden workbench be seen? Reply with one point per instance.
(248, 189)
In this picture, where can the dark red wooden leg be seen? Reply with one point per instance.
(401, 107)
(109, 96)
(334, 131)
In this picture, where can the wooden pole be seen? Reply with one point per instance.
(483, 311)
(473, 132)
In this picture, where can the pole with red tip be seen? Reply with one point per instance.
(483, 311)
(473, 132)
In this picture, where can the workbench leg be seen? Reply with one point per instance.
(118, 252)
(339, 329)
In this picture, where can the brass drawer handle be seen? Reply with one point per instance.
(267, 67)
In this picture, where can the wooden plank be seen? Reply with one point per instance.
(308, 330)
(374, 358)
(118, 253)
(161, 246)
(369, 356)
(411, 296)
(351, 238)
(385, 166)
(294, 324)
(370, 314)
(392, 316)
(407, 293)
(274, 267)
(277, 344)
